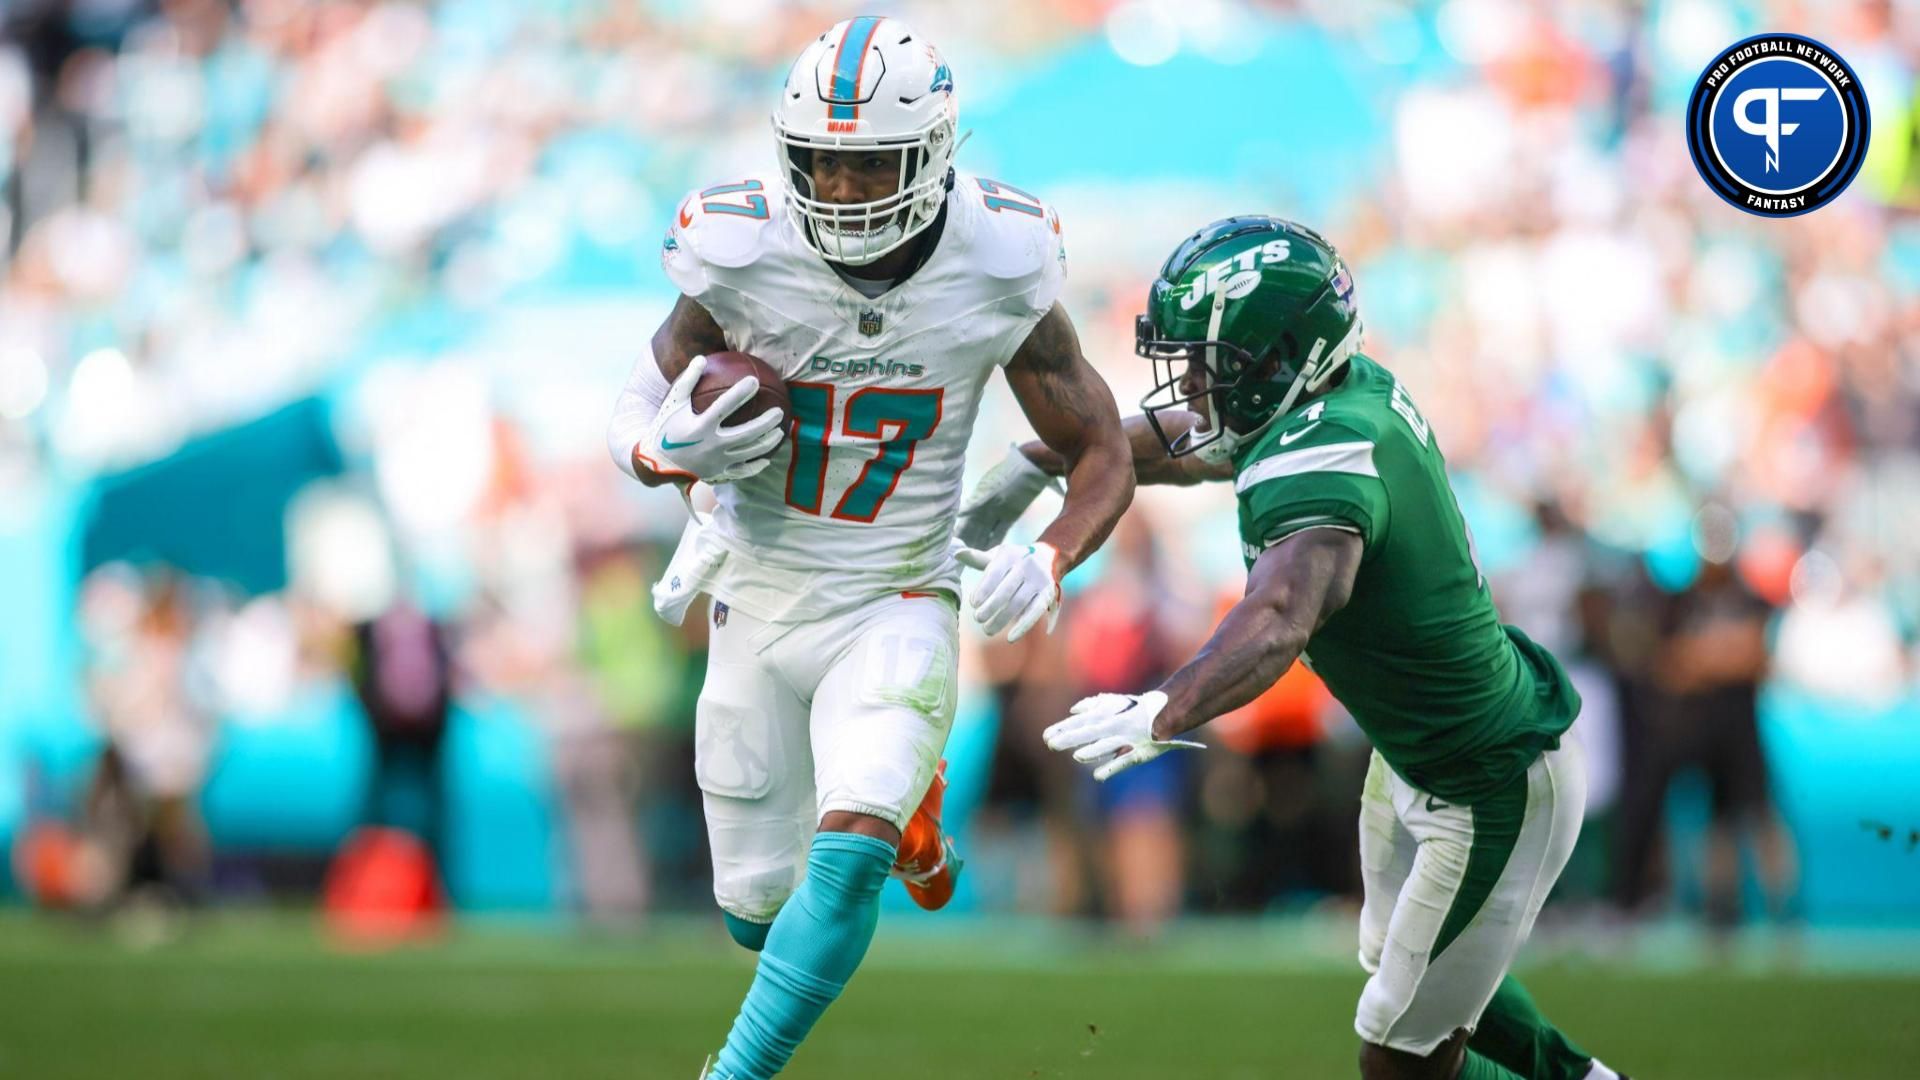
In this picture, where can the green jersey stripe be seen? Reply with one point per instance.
(1289, 529)
(1497, 820)
(1346, 457)
(1300, 523)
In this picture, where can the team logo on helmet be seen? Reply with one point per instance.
(1235, 277)
(1777, 125)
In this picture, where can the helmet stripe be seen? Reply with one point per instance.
(848, 65)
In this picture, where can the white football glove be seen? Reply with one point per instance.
(1105, 725)
(1018, 585)
(998, 500)
(699, 444)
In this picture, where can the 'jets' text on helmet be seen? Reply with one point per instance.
(868, 84)
(1248, 314)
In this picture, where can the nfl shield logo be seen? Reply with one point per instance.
(869, 322)
(719, 614)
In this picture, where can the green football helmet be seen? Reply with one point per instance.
(1247, 314)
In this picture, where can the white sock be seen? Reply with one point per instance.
(1601, 1072)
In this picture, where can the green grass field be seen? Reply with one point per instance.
(266, 997)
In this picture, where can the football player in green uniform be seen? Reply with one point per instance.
(1359, 564)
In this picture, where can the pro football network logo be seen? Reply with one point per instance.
(1777, 125)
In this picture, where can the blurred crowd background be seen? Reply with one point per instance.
(312, 314)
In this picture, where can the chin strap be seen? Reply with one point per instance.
(1214, 319)
(1224, 441)
(1220, 446)
(1306, 380)
(1342, 353)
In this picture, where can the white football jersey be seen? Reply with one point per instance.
(861, 499)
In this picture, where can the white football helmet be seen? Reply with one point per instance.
(871, 84)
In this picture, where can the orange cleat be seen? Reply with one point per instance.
(927, 863)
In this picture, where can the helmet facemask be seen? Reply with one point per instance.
(855, 234)
(868, 85)
(1242, 393)
(1234, 390)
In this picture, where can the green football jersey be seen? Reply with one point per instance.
(1456, 702)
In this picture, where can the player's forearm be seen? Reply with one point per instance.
(1099, 490)
(687, 331)
(1254, 645)
(1149, 459)
(633, 414)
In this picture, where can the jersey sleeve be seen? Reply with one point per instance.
(1324, 476)
(1019, 242)
(714, 237)
(1049, 278)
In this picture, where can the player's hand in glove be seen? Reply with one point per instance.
(1019, 584)
(1116, 729)
(998, 500)
(700, 445)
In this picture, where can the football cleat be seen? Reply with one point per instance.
(927, 863)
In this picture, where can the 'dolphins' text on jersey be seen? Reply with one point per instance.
(884, 389)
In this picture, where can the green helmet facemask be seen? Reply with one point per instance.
(1248, 314)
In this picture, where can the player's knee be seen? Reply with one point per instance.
(752, 898)
(860, 824)
(1385, 1063)
(751, 936)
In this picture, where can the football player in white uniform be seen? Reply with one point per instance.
(886, 288)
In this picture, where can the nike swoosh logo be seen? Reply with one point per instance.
(669, 444)
(1432, 806)
(1291, 436)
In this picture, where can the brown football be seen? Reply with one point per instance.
(726, 368)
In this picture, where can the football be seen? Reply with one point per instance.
(726, 368)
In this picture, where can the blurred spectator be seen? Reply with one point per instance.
(1702, 711)
(141, 815)
(598, 759)
(1121, 637)
(1277, 824)
(1034, 803)
(403, 677)
(1838, 638)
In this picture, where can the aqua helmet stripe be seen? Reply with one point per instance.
(847, 66)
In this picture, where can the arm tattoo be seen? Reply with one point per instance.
(1051, 346)
(1051, 360)
(688, 332)
(1050, 357)
(1072, 411)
